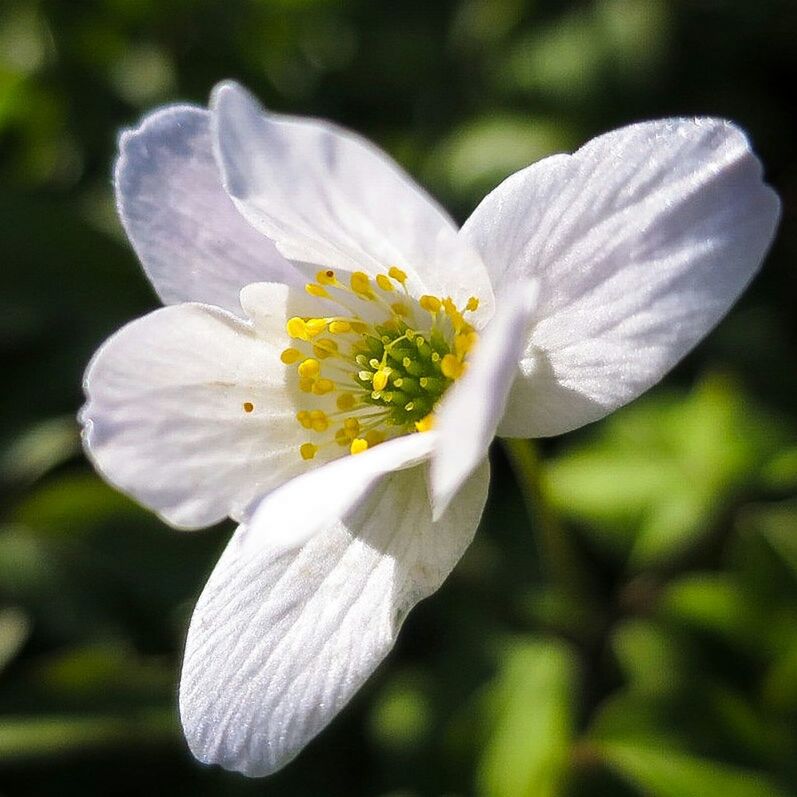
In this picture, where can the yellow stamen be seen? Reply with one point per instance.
(351, 428)
(384, 282)
(326, 277)
(457, 321)
(290, 356)
(309, 367)
(316, 290)
(345, 402)
(323, 386)
(397, 274)
(464, 343)
(339, 327)
(451, 367)
(303, 416)
(427, 423)
(315, 326)
(399, 308)
(380, 379)
(324, 347)
(296, 328)
(361, 284)
(358, 445)
(374, 437)
(308, 450)
(306, 384)
(429, 303)
(319, 420)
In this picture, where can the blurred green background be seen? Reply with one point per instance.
(634, 634)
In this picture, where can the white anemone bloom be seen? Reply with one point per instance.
(319, 304)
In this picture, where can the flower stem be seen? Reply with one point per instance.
(560, 558)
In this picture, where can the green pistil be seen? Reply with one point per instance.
(415, 382)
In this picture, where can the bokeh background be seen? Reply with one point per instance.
(631, 632)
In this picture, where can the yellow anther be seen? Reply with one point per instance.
(429, 303)
(345, 402)
(374, 437)
(303, 416)
(359, 326)
(397, 274)
(324, 347)
(323, 386)
(358, 445)
(319, 421)
(457, 321)
(473, 304)
(290, 356)
(326, 277)
(296, 328)
(361, 284)
(451, 367)
(315, 326)
(309, 367)
(341, 438)
(306, 384)
(464, 343)
(380, 379)
(365, 376)
(351, 428)
(339, 327)
(427, 423)
(384, 282)
(308, 450)
(399, 308)
(316, 290)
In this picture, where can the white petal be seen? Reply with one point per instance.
(328, 197)
(310, 502)
(165, 417)
(282, 638)
(192, 242)
(641, 240)
(473, 407)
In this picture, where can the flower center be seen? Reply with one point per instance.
(378, 370)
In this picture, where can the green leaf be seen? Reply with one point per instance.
(76, 503)
(401, 716)
(14, 630)
(650, 657)
(40, 448)
(527, 752)
(104, 675)
(24, 738)
(712, 602)
(663, 772)
(654, 479)
(778, 525)
(481, 153)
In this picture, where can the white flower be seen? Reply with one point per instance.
(587, 276)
